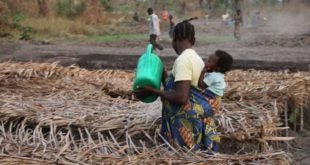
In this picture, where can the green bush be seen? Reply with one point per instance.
(69, 9)
(25, 33)
(220, 7)
(9, 22)
(267, 2)
(106, 4)
(17, 19)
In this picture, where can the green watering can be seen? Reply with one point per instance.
(149, 73)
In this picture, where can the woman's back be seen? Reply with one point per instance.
(188, 66)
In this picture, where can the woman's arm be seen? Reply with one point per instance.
(201, 83)
(179, 94)
(164, 76)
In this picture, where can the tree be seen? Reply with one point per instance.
(183, 6)
(210, 4)
(1, 7)
(201, 3)
(94, 12)
(43, 8)
(12, 5)
(285, 2)
(238, 4)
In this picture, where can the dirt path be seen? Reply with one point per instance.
(260, 48)
(101, 56)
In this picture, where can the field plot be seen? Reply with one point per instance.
(51, 114)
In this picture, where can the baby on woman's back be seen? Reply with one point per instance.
(212, 76)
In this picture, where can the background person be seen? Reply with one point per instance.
(154, 29)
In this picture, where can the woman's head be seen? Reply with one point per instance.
(220, 61)
(183, 34)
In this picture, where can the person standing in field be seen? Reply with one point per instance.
(225, 19)
(165, 15)
(171, 26)
(207, 18)
(154, 29)
(238, 23)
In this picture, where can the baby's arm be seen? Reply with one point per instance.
(201, 84)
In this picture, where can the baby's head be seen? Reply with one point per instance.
(220, 61)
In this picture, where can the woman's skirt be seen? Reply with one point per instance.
(191, 125)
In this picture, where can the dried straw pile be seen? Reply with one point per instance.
(51, 114)
(262, 98)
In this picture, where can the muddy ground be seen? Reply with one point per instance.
(261, 48)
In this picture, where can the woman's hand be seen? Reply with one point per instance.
(149, 89)
(143, 92)
(179, 95)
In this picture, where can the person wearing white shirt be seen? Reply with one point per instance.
(154, 29)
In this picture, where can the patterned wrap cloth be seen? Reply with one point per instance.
(191, 125)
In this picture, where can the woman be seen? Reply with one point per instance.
(187, 111)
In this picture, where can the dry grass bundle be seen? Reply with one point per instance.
(96, 88)
(71, 115)
(244, 121)
(253, 85)
(112, 82)
(290, 92)
(74, 97)
(56, 147)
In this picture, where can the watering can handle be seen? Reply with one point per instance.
(149, 49)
